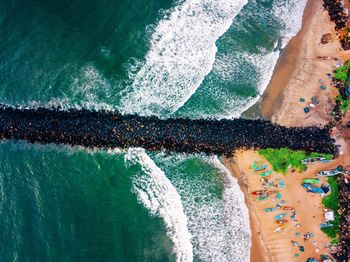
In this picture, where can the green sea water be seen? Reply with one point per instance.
(150, 57)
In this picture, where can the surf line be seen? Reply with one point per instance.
(182, 52)
(159, 196)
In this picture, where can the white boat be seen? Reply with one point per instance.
(312, 160)
(339, 170)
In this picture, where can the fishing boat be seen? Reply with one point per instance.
(324, 225)
(266, 173)
(311, 180)
(281, 221)
(279, 216)
(259, 168)
(271, 192)
(287, 208)
(269, 209)
(256, 164)
(262, 198)
(312, 160)
(258, 192)
(312, 189)
(339, 170)
(279, 229)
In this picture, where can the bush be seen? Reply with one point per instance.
(283, 158)
(332, 202)
(341, 73)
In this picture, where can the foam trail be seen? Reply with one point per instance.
(219, 224)
(233, 195)
(182, 52)
(290, 13)
(264, 62)
(159, 196)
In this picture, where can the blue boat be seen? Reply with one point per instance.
(312, 189)
(324, 225)
(278, 217)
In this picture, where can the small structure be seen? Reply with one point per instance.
(328, 215)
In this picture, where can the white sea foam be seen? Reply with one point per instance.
(258, 69)
(159, 196)
(182, 52)
(290, 13)
(219, 225)
(89, 83)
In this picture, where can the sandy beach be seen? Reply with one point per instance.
(299, 74)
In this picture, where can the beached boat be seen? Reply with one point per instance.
(312, 160)
(287, 208)
(266, 173)
(324, 225)
(258, 192)
(279, 216)
(279, 229)
(311, 180)
(312, 189)
(311, 259)
(325, 258)
(281, 221)
(259, 168)
(271, 192)
(339, 170)
(269, 209)
(256, 164)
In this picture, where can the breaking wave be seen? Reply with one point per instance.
(157, 194)
(290, 14)
(182, 52)
(217, 218)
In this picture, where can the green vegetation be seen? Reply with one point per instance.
(335, 241)
(332, 202)
(341, 73)
(344, 104)
(283, 158)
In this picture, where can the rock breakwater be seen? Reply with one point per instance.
(106, 129)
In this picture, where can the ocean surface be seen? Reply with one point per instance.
(193, 58)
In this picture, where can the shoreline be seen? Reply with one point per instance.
(290, 57)
(297, 67)
(258, 249)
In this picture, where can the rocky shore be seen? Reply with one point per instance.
(104, 129)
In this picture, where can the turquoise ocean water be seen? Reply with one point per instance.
(195, 58)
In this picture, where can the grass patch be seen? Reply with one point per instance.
(335, 241)
(341, 73)
(332, 202)
(283, 158)
(344, 104)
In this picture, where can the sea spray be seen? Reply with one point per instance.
(159, 196)
(290, 14)
(217, 217)
(182, 52)
(244, 64)
(227, 69)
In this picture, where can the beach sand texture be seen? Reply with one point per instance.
(298, 74)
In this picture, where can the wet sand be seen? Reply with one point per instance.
(298, 74)
(273, 96)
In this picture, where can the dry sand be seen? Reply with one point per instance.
(276, 246)
(298, 74)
